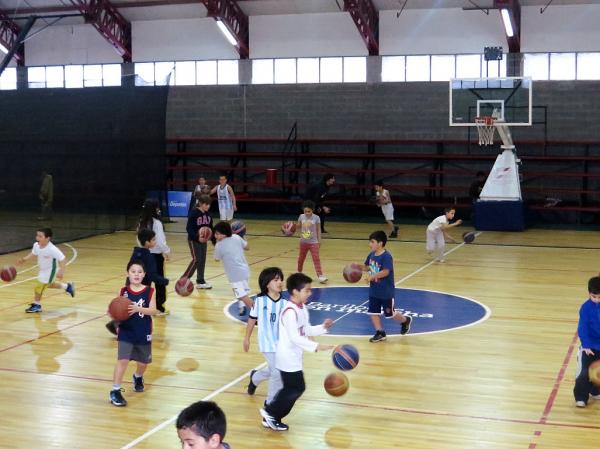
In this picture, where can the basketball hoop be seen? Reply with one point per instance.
(486, 127)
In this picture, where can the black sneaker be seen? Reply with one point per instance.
(251, 386)
(116, 398)
(405, 327)
(71, 289)
(138, 383)
(34, 308)
(379, 336)
(111, 327)
(394, 235)
(273, 423)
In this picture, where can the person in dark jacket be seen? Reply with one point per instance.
(199, 217)
(317, 193)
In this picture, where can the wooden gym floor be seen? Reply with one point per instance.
(503, 383)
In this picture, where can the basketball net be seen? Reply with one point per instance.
(486, 127)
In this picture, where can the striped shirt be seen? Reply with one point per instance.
(266, 311)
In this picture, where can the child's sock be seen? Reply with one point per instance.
(116, 386)
(63, 285)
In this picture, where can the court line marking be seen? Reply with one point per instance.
(74, 257)
(206, 398)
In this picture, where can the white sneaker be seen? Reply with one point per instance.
(596, 397)
(205, 286)
(322, 279)
(580, 404)
(440, 260)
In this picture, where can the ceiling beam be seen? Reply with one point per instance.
(235, 20)
(366, 19)
(9, 32)
(109, 22)
(510, 10)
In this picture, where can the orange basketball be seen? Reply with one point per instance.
(288, 228)
(7, 273)
(353, 272)
(118, 308)
(594, 373)
(184, 287)
(204, 234)
(336, 384)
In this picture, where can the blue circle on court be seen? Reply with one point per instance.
(431, 311)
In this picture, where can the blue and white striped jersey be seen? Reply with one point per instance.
(267, 312)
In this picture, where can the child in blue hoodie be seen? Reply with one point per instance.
(589, 335)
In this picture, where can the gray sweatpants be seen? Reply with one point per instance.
(272, 374)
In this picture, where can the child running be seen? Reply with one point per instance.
(266, 310)
(52, 264)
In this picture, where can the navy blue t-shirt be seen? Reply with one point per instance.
(381, 288)
(137, 329)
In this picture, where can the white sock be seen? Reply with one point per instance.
(63, 285)
(116, 387)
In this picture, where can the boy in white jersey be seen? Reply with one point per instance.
(437, 234)
(266, 310)
(52, 263)
(384, 200)
(294, 333)
(230, 249)
(225, 198)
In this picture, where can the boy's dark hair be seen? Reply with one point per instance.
(379, 236)
(379, 183)
(448, 209)
(204, 199)
(224, 175)
(46, 231)
(297, 281)
(310, 204)
(136, 262)
(266, 276)
(327, 177)
(224, 228)
(594, 285)
(145, 235)
(204, 418)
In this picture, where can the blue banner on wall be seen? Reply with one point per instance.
(178, 203)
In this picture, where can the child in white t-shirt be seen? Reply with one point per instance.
(52, 263)
(436, 234)
(384, 201)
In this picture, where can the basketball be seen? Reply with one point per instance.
(118, 308)
(288, 228)
(238, 227)
(184, 287)
(353, 272)
(345, 357)
(204, 234)
(468, 236)
(336, 384)
(7, 273)
(594, 373)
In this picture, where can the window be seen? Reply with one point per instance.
(393, 68)
(331, 70)
(163, 73)
(285, 71)
(8, 80)
(469, 66)
(588, 66)
(55, 76)
(562, 66)
(417, 68)
(185, 73)
(36, 77)
(442, 68)
(536, 66)
(355, 70)
(74, 76)
(262, 71)
(227, 72)
(307, 70)
(92, 75)
(144, 74)
(111, 75)
(206, 72)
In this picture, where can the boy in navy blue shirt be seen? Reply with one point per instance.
(380, 266)
(589, 351)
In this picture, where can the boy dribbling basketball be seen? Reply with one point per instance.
(437, 234)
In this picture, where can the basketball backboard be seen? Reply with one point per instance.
(507, 99)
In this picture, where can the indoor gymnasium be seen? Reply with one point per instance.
(306, 224)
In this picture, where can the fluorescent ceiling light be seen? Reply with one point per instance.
(507, 24)
(227, 33)
(3, 49)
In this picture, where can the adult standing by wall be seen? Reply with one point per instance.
(150, 219)
(317, 194)
(46, 196)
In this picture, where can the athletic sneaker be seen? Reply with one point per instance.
(138, 383)
(71, 289)
(116, 398)
(580, 404)
(405, 327)
(251, 385)
(163, 312)
(596, 397)
(242, 310)
(379, 336)
(265, 425)
(204, 286)
(322, 279)
(111, 326)
(272, 422)
(393, 235)
(34, 308)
